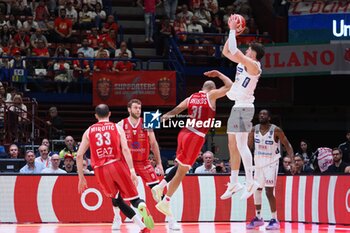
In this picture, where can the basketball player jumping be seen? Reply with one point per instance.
(265, 139)
(113, 167)
(239, 123)
(201, 107)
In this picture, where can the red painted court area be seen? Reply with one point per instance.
(162, 228)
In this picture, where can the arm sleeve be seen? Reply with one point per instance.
(232, 43)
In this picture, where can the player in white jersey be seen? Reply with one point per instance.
(266, 139)
(239, 123)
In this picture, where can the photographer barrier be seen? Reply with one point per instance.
(317, 199)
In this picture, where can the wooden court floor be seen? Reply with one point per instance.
(221, 227)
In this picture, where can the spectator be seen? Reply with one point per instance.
(56, 124)
(338, 166)
(185, 14)
(44, 157)
(286, 166)
(93, 38)
(180, 27)
(169, 168)
(109, 41)
(208, 166)
(345, 148)
(19, 108)
(92, 3)
(41, 50)
(85, 167)
(41, 13)
(170, 7)
(125, 65)
(22, 41)
(149, 7)
(20, 7)
(30, 25)
(100, 49)
(69, 163)
(305, 151)
(5, 35)
(54, 168)
(166, 32)
(212, 6)
(110, 24)
(71, 13)
(81, 68)
(119, 53)
(195, 27)
(299, 166)
(70, 148)
(35, 37)
(46, 143)
(99, 16)
(86, 49)
(63, 28)
(86, 17)
(204, 17)
(14, 23)
(3, 21)
(62, 78)
(220, 167)
(103, 65)
(61, 51)
(32, 166)
(13, 152)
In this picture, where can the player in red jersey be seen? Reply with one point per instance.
(140, 141)
(113, 167)
(201, 108)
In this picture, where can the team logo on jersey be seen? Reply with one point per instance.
(268, 142)
(151, 120)
(135, 145)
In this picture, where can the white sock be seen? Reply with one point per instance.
(116, 211)
(234, 176)
(257, 213)
(163, 183)
(246, 155)
(274, 215)
(136, 219)
(171, 219)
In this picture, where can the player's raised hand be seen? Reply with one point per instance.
(232, 23)
(212, 73)
(82, 185)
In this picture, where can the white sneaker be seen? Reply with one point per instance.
(231, 189)
(116, 224)
(249, 189)
(173, 225)
(157, 193)
(164, 207)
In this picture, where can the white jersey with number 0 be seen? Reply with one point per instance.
(266, 149)
(242, 90)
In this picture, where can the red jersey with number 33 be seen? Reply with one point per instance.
(137, 138)
(200, 110)
(104, 143)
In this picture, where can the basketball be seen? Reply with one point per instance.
(241, 23)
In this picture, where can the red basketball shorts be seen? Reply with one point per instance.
(189, 145)
(115, 178)
(145, 170)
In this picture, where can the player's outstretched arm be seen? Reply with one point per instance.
(84, 145)
(221, 92)
(126, 153)
(285, 142)
(179, 108)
